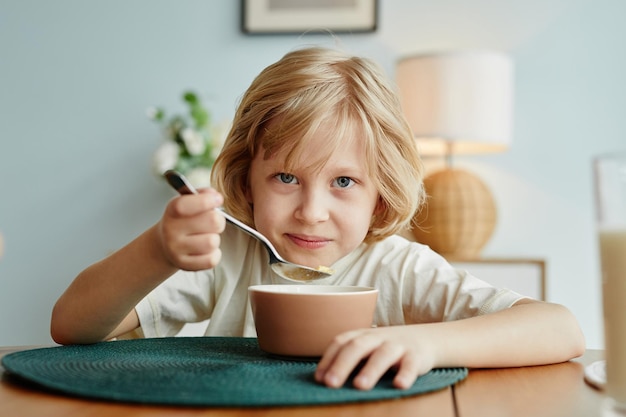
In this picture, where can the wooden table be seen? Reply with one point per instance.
(553, 390)
(537, 391)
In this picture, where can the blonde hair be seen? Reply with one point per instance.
(292, 98)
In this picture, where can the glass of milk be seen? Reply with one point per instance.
(610, 189)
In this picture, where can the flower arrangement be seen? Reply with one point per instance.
(190, 143)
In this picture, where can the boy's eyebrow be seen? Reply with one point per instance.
(356, 171)
(349, 168)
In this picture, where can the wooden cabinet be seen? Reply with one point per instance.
(525, 276)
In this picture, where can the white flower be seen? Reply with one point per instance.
(191, 142)
(194, 142)
(218, 133)
(152, 113)
(199, 177)
(165, 157)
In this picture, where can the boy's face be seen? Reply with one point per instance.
(313, 217)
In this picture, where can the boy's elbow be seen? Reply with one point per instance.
(563, 333)
(577, 344)
(58, 331)
(62, 328)
(59, 337)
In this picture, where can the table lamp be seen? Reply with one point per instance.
(457, 103)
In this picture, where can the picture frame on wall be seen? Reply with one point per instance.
(300, 16)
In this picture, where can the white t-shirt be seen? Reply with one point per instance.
(416, 285)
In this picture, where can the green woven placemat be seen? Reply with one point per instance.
(196, 371)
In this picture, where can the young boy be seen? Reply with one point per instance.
(321, 161)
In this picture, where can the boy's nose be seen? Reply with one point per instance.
(313, 208)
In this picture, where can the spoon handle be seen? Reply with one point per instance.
(179, 182)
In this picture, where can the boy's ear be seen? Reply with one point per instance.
(379, 210)
(380, 206)
(247, 194)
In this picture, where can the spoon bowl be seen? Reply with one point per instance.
(287, 270)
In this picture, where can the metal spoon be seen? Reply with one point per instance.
(285, 269)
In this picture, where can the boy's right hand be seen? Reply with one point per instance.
(190, 228)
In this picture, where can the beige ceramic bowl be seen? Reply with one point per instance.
(302, 320)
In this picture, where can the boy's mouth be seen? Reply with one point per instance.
(308, 242)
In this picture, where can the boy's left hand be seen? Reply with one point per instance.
(381, 348)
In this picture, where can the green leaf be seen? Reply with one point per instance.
(159, 115)
(200, 116)
(190, 97)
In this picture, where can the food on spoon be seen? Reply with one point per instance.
(301, 274)
(325, 269)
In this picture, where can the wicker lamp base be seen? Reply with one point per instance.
(459, 216)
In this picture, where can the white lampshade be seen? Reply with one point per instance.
(460, 102)
(457, 103)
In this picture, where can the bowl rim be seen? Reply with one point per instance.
(350, 289)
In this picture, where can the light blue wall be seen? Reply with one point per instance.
(76, 77)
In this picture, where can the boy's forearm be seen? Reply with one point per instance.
(103, 295)
(526, 334)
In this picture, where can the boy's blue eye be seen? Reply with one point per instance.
(343, 182)
(287, 178)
